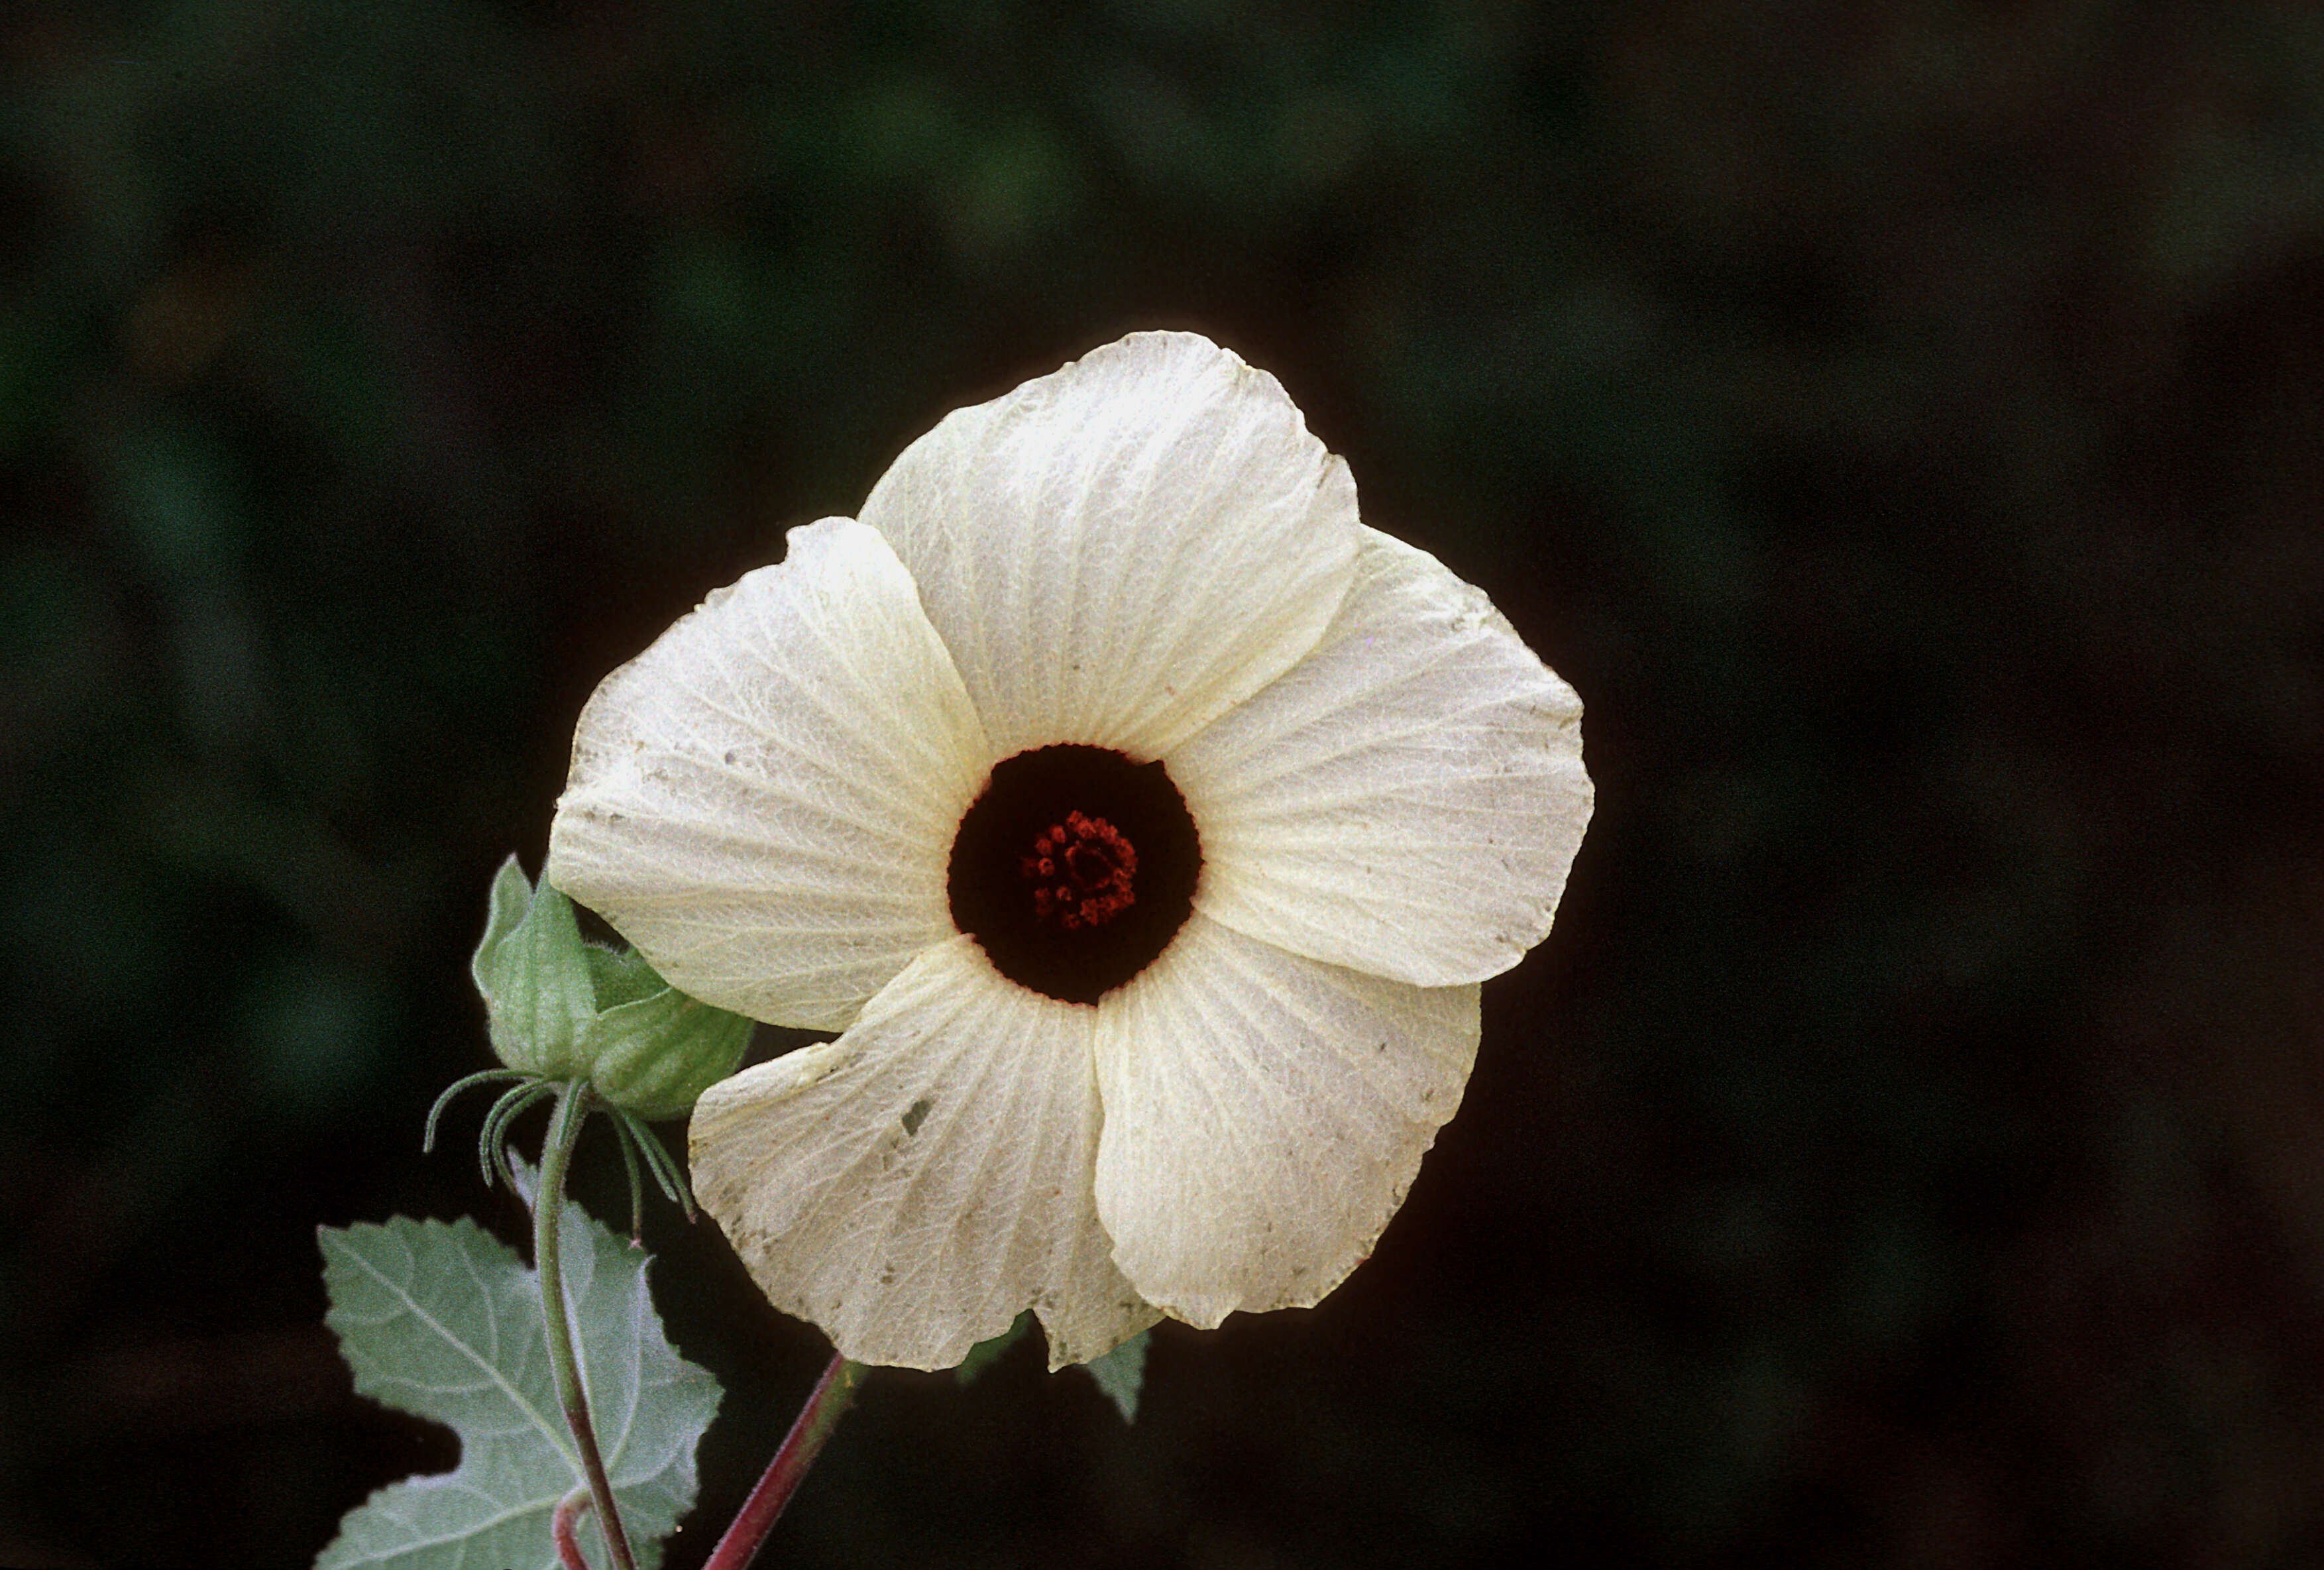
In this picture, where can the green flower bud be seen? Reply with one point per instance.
(565, 1009)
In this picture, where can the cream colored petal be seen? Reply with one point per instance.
(915, 1183)
(1406, 800)
(764, 800)
(1118, 552)
(1264, 1115)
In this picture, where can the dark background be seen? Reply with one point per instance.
(1903, 423)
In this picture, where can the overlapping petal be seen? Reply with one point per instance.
(915, 1183)
(1117, 553)
(1407, 798)
(1264, 1115)
(764, 800)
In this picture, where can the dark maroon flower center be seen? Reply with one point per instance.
(1074, 869)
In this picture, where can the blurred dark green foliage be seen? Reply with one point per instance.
(1900, 421)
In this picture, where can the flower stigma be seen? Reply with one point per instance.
(1080, 872)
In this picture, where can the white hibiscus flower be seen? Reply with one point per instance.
(1143, 822)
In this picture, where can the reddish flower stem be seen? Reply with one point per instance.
(561, 1533)
(833, 1394)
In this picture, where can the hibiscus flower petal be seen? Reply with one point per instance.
(764, 800)
(1119, 552)
(1264, 1115)
(1407, 798)
(915, 1183)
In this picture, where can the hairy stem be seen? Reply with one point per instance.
(555, 1157)
(561, 1533)
(816, 1419)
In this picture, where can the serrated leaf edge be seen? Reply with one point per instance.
(559, 1435)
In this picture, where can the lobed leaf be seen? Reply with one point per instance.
(443, 1321)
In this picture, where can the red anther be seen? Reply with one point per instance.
(1093, 864)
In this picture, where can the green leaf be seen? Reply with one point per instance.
(444, 1321)
(1121, 1374)
(985, 1353)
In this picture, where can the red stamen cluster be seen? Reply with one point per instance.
(1080, 871)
